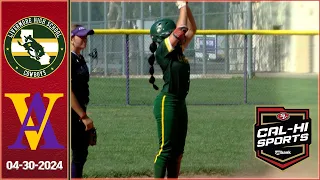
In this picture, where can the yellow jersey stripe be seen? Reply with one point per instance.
(162, 128)
(27, 54)
(39, 40)
(168, 44)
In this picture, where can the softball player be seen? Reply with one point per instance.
(170, 111)
(80, 122)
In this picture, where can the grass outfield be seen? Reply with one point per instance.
(219, 141)
(112, 91)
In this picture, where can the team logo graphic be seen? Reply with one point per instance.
(283, 116)
(282, 136)
(34, 132)
(34, 47)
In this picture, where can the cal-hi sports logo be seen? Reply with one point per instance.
(29, 128)
(34, 47)
(282, 136)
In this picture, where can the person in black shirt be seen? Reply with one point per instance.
(80, 122)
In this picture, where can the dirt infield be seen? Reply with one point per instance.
(308, 168)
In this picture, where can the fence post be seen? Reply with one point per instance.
(127, 71)
(250, 73)
(123, 6)
(89, 42)
(204, 50)
(161, 9)
(141, 37)
(245, 68)
(204, 55)
(226, 46)
(105, 41)
(311, 55)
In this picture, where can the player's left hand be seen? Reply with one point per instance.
(181, 4)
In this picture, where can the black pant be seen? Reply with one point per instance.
(79, 145)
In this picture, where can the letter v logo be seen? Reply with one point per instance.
(34, 133)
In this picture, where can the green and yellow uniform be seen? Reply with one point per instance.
(170, 109)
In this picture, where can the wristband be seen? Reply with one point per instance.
(83, 116)
(180, 32)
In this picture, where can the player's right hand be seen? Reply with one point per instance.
(88, 123)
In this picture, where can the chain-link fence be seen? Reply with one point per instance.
(116, 15)
(120, 70)
(224, 54)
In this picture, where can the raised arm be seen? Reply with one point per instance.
(192, 28)
(178, 34)
(186, 26)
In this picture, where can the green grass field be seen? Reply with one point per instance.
(220, 138)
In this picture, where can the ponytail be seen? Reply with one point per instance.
(152, 58)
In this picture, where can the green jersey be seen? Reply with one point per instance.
(175, 68)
